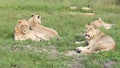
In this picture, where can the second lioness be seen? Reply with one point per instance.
(35, 25)
(100, 23)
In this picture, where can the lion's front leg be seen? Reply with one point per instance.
(84, 50)
(34, 38)
(42, 36)
(31, 36)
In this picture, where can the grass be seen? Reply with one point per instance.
(55, 14)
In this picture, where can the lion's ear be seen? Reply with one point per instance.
(100, 19)
(19, 21)
(38, 16)
(88, 24)
(32, 15)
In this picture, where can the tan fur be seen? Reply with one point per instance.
(22, 32)
(97, 41)
(35, 26)
(100, 23)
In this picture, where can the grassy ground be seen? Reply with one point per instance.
(56, 14)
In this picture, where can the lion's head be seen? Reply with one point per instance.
(23, 26)
(35, 19)
(91, 32)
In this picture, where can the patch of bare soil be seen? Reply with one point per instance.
(51, 50)
(109, 64)
(45, 49)
(71, 53)
(76, 62)
(24, 48)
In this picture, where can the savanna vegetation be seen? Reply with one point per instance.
(69, 23)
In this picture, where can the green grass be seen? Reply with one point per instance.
(55, 14)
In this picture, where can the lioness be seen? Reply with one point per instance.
(97, 24)
(35, 26)
(22, 32)
(100, 23)
(97, 41)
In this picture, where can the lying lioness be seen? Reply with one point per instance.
(97, 24)
(97, 41)
(22, 32)
(100, 23)
(35, 26)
